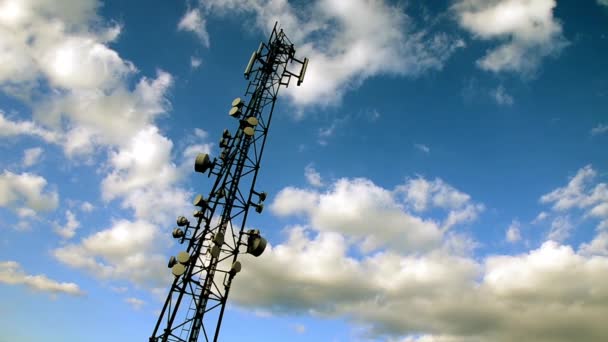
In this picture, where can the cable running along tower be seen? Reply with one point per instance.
(205, 270)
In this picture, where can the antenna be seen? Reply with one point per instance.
(303, 72)
(204, 271)
(254, 55)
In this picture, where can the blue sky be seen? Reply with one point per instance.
(441, 174)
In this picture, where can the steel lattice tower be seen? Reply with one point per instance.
(205, 270)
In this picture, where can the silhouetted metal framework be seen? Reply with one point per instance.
(205, 270)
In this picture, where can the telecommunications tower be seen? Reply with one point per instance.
(205, 269)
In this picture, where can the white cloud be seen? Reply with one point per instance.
(560, 229)
(194, 22)
(69, 229)
(126, 250)
(26, 190)
(600, 128)
(346, 42)
(434, 293)
(540, 217)
(90, 102)
(31, 156)
(10, 128)
(119, 289)
(466, 214)
(144, 176)
(135, 303)
(200, 133)
(501, 96)
(26, 212)
(424, 294)
(580, 193)
(195, 62)
(299, 328)
(598, 246)
(374, 215)
(324, 133)
(528, 31)
(11, 273)
(513, 233)
(423, 148)
(143, 162)
(87, 207)
(95, 106)
(421, 194)
(602, 2)
(108, 118)
(294, 201)
(312, 176)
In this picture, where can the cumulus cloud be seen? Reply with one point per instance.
(299, 328)
(144, 176)
(423, 148)
(501, 96)
(580, 193)
(513, 233)
(377, 216)
(108, 118)
(599, 129)
(312, 176)
(135, 303)
(87, 207)
(347, 42)
(429, 293)
(421, 194)
(527, 30)
(540, 217)
(598, 246)
(194, 22)
(436, 294)
(68, 230)
(126, 250)
(560, 228)
(11, 273)
(26, 190)
(195, 62)
(57, 59)
(31, 156)
(9, 128)
(91, 101)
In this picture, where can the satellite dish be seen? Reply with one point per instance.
(259, 208)
(237, 102)
(197, 213)
(235, 112)
(256, 245)
(177, 233)
(221, 193)
(172, 262)
(236, 267)
(263, 196)
(178, 270)
(200, 201)
(249, 131)
(202, 163)
(215, 251)
(182, 221)
(252, 121)
(183, 257)
(218, 238)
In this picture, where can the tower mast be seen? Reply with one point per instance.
(204, 271)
